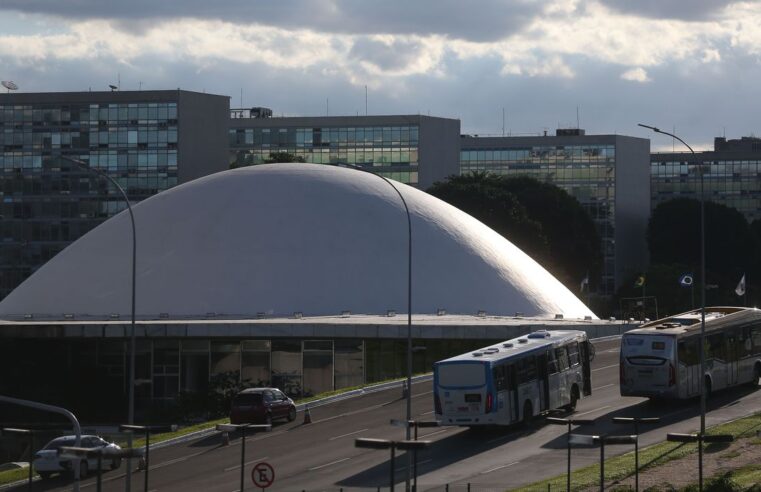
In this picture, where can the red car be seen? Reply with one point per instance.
(261, 406)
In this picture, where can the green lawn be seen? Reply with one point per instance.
(620, 467)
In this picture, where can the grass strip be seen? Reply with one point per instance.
(622, 466)
(9, 476)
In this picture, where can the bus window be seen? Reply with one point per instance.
(526, 368)
(552, 364)
(461, 375)
(715, 346)
(573, 354)
(500, 377)
(688, 352)
(561, 354)
(756, 337)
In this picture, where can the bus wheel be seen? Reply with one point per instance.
(574, 399)
(528, 412)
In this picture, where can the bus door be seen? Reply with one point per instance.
(512, 384)
(732, 354)
(542, 379)
(689, 367)
(716, 360)
(554, 379)
(586, 367)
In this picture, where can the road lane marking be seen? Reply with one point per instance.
(349, 434)
(426, 413)
(246, 464)
(604, 386)
(499, 467)
(328, 464)
(423, 394)
(591, 411)
(606, 367)
(434, 433)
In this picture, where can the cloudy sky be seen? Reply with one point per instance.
(689, 65)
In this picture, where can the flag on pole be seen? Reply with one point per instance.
(740, 289)
(584, 283)
(640, 281)
(686, 280)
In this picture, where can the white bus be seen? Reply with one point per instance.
(661, 359)
(514, 380)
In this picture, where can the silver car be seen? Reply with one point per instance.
(48, 461)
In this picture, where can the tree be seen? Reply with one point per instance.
(283, 157)
(541, 219)
(673, 237)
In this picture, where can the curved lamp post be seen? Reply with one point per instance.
(408, 393)
(131, 405)
(702, 289)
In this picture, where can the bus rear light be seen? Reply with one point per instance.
(489, 402)
(672, 375)
(437, 403)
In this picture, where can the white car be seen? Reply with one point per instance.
(48, 461)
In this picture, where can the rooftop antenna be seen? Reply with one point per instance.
(113, 87)
(503, 121)
(241, 97)
(327, 106)
(578, 125)
(10, 85)
(365, 99)
(118, 81)
(139, 85)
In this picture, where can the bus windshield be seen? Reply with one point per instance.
(470, 374)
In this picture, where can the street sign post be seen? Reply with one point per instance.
(263, 475)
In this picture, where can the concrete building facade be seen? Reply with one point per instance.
(148, 141)
(412, 149)
(607, 174)
(731, 175)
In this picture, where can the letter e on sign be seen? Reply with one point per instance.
(263, 475)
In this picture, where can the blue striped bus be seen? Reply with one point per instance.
(514, 380)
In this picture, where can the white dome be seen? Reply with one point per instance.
(283, 238)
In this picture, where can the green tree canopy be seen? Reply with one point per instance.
(541, 219)
(283, 157)
(673, 236)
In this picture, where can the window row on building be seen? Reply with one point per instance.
(326, 137)
(57, 114)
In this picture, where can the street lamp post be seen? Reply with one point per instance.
(408, 394)
(131, 405)
(702, 282)
(569, 423)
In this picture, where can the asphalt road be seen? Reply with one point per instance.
(321, 456)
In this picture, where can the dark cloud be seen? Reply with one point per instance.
(692, 10)
(486, 20)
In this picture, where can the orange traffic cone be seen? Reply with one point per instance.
(307, 415)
